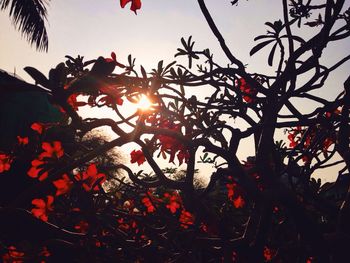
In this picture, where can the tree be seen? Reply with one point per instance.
(29, 17)
(266, 208)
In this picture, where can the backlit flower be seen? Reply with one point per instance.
(249, 93)
(147, 202)
(186, 219)
(137, 157)
(174, 201)
(91, 178)
(63, 185)
(135, 4)
(22, 140)
(5, 162)
(43, 207)
(238, 202)
(51, 150)
(38, 127)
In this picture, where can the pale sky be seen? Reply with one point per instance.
(93, 28)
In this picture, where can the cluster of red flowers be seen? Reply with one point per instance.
(174, 201)
(13, 255)
(171, 144)
(112, 96)
(295, 136)
(91, 178)
(168, 144)
(237, 200)
(186, 219)
(149, 205)
(249, 93)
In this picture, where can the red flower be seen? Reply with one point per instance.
(34, 171)
(42, 207)
(5, 162)
(53, 149)
(291, 137)
(306, 158)
(137, 156)
(44, 253)
(327, 142)
(91, 178)
(135, 4)
(22, 140)
(248, 92)
(63, 185)
(238, 202)
(230, 190)
(114, 60)
(111, 100)
(183, 155)
(112, 95)
(174, 202)
(172, 145)
(186, 219)
(13, 256)
(268, 254)
(147, 202)
(38, 127)
(74, 103)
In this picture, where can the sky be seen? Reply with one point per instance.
(93, 28)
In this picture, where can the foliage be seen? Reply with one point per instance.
(29, 17)
(266, 208)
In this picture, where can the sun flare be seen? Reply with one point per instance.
(144, 103)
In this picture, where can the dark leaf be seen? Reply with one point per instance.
(183, 42)
(160, 66)
(29, 17)
(272, 53)
(37, 76)
(260, 46)
(143, 72)
(262, 37)
(168, 66)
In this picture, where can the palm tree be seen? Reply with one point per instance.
(28, 16)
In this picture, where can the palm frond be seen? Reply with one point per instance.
(29, 16)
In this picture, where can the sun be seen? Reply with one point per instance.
(143, 103)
